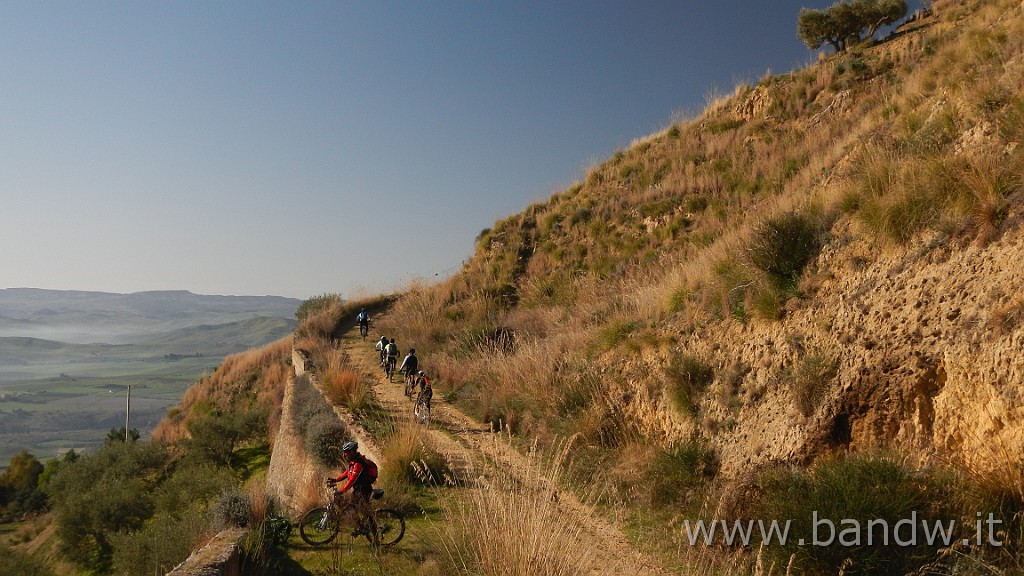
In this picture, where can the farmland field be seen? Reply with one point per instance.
(48, 409)
(67, 359)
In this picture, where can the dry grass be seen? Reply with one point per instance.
(255, 376)
(411, 459)
(345, 387)
(501, 527)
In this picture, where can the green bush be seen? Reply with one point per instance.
(863, 497)
(782, 245)
(163, 543)
(324, 437)
(810, 379)
(232, 509)
(688, 378)
(13, 561)
(681, 470)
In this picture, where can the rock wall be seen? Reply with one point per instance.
(294, 478)
(222, 556)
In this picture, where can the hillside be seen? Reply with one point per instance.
(828, 259)
(90, 317)
(820, 270)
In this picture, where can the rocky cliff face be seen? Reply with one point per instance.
(922, 348)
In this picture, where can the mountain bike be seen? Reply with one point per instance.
(410, 383)
(364, 329)
(389, 367)
(382, 527)
(421, 412)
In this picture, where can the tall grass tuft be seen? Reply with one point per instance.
(688, 378)
(410, 459)
(783, 244)
(810, 379)
(504, 526)
(864, 496)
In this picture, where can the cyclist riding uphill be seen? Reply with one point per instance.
(381, 346)
(360, 475)
(426, 391)
(410, 363)
(392, 352)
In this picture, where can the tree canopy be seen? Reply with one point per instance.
(846, 23)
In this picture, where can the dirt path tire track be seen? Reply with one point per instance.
(473, 447)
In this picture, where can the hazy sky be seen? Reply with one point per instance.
(296, 148)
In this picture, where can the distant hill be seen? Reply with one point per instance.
(212, 341)
(93, 317)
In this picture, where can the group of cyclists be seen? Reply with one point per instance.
(413, 377)
(409, 369)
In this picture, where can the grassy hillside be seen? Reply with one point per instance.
(723, 218)
(820, 263)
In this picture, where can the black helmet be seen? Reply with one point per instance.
(422, 373)
(412, 350)
(350, 446)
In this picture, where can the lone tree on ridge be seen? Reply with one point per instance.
(846, 23)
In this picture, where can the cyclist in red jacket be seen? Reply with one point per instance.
(360, 476)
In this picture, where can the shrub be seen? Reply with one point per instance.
(232, 509)
(688, 378)
(862, 495)
(810, 379)
(163, 543)
(324, 437)
(675, 473)
(316, 305)
(14, 561)
(782, 245)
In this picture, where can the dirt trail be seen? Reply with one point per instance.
(472, 446)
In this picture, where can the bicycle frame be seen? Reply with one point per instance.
(382, 527)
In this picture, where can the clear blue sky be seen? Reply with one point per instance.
(296, 148)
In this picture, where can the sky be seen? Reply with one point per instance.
(298, 148)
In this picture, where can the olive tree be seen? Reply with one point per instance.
(104, 494)
(846, 23)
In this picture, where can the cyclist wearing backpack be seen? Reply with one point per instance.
(360, 475)
(409, 364)
(426, 391)
(392, 354)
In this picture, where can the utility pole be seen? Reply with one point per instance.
(127, 412)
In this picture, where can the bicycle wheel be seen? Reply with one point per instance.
(390, 527)
(318, 526)
(390, 370)
(422, 413)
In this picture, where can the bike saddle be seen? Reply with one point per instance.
(378, 493)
